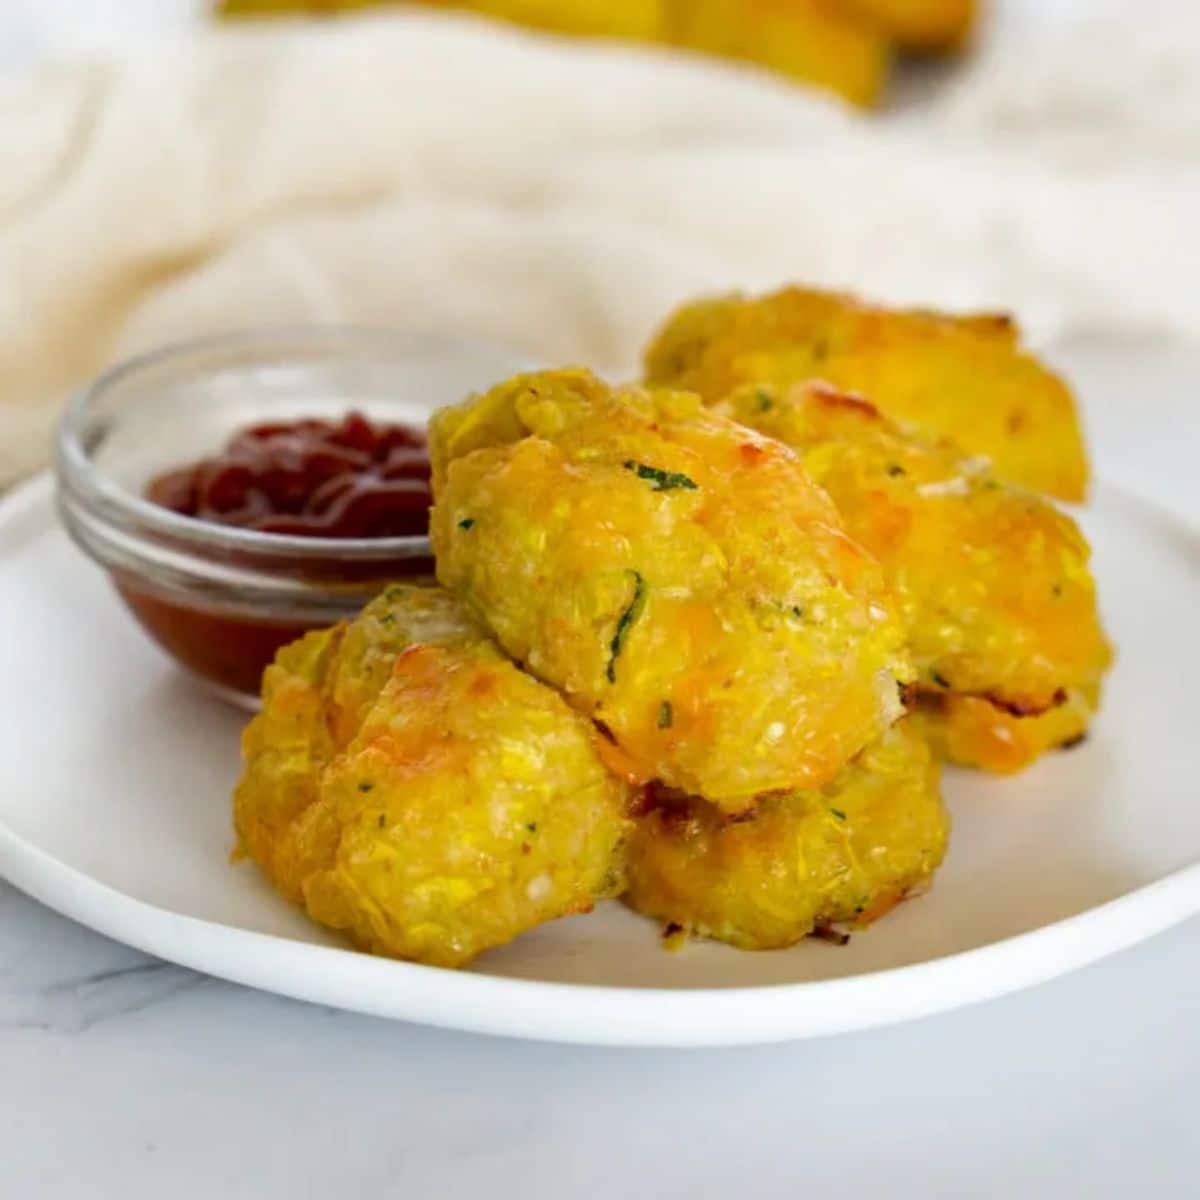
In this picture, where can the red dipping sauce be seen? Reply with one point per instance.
(350, 478)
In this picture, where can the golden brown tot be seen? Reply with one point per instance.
(965, 377)
(993, 581)
(408, 785)
(678, 577)
(844, 854)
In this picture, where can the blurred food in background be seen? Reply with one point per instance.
(845, 46)
(812, 40)
(929, 26)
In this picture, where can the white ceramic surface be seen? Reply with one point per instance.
(115, 773)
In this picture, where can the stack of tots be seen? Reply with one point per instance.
(698, 644)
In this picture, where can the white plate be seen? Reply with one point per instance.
(115, 773)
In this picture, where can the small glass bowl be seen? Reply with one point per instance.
(220, 599)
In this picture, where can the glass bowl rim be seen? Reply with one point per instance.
(97, 491)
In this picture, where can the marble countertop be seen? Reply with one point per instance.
(127, 1078)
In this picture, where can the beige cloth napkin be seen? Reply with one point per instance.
(558, 197)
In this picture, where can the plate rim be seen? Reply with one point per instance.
(602, 1014)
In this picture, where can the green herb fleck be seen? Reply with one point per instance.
(663, 481)
(764, 399)
(365, 786)
(466, 523)
(624, 622)
(894, 469)
(820, 350)
(666, 715)
(532, 826)
(939, 679)
(837, 812)
(382, 821)
(1057, 589)
(797, 612)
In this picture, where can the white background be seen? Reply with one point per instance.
(123, 1077)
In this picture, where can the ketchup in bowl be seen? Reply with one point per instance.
(298, 517)
(350, 478)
